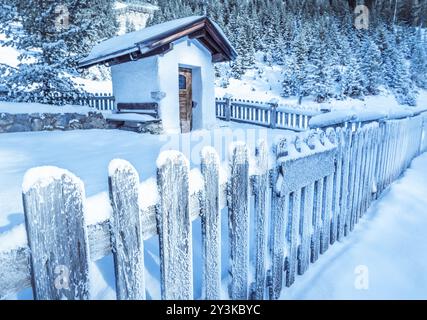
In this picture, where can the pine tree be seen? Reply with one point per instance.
(129, 26)
(418, 59)
(289, 83)
(370, 66)
(52, 39)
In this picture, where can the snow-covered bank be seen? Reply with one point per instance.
(387, 250)
(266, 83)
(21, 108)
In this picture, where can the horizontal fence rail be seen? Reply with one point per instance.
(310, 194)
(270, 115)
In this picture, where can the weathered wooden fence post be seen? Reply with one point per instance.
(273, 113)
(306, 220)
(345, 154)
(279, 216)
(56, 230)
(260, 187)
(334, 137)
(325, 235)
(173, 221)
(211, 225)
(239, 222)
(126, 231)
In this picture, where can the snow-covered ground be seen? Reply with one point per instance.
(389, 241)
(264, 83)
(388, 246)
(87, 154)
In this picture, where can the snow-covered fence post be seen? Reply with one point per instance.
(317, 220)
(57, 236)
(334, 135)
(307, 205)
(238, 204)
(126, 231)
(227, 107)
(260, 187)
(279, 217)
(273, 113)
(325, 234)
(345, 154)
(211, 225)
(174, 226)
(355, 175)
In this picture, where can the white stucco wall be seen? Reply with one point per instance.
(135, 81)
(189, 54)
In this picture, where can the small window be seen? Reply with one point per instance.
(182, 82)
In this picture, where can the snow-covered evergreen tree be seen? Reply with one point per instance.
(51, 38)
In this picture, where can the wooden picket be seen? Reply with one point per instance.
(260, 187)
(174, 225)
(211, 225)
(238, 210)
(57, 236)
(126, 231)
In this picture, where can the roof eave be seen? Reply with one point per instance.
(151, 44)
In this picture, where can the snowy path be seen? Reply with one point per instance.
(391, 241)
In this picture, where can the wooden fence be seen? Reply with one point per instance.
(316, 190)
(263, 114)
(99, 101)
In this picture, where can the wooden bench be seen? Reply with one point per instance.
(134, 116)
(151, 108)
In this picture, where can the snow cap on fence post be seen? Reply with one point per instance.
(53, 201)
(239, 221)
(211, 225)
(174, 225)
(126, 231)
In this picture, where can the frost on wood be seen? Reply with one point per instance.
(335, 138)
(126, 231)
(306, 228)
(173, 220)
(239, 222)
(302, 162)
(57, 236)
(260, 194)
(279, 215)
(332, 118)
(345, 163)
(211, 225)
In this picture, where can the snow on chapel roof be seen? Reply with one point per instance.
(158, 39)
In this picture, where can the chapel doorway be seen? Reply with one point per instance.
(185, 99)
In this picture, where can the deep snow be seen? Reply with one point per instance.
(390, 240)
(87, 154)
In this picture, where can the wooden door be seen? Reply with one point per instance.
(185, 99)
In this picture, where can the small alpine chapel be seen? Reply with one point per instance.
(166, 71)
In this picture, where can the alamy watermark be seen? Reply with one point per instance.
(62, 281)
(62, 18)
(361, 282)
(362, 17)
